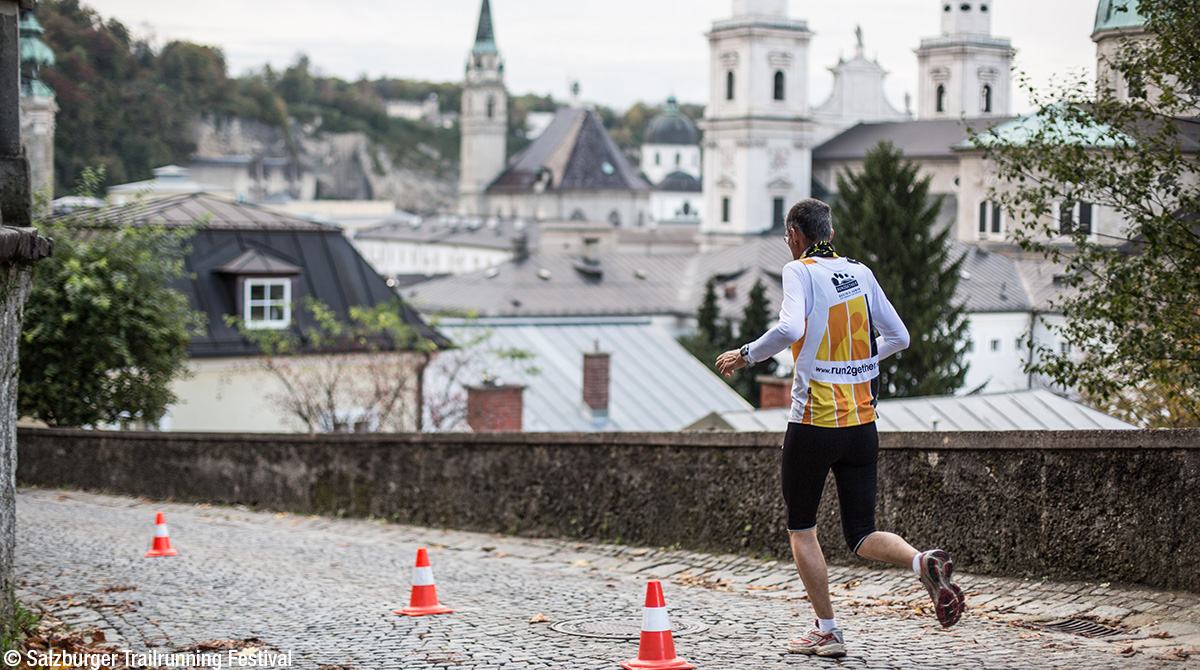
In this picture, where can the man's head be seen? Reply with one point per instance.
(812, 219)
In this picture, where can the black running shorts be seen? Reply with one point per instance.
(809, 453)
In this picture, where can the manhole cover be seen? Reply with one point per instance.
(1082, 627)
(621, 629)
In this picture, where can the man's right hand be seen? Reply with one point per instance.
(729, 362)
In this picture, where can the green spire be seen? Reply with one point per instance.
(485, 39)
(34, 54)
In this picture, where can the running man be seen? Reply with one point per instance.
(831, 305)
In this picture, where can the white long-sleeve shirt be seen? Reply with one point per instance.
(829, 308)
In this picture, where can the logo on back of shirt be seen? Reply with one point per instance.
(843, 282)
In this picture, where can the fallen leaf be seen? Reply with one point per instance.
(580, 564)
(1162, 635)
(98, 636)
(539, 618)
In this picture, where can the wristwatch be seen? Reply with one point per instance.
(745, 352)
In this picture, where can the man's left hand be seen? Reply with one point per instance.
(729, 362)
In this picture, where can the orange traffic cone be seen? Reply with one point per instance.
(162, 542)
(424, 595)
(656, 650)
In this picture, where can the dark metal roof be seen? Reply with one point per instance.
(485, 37)
(917, 139)
(258, 262)
(575, 152)
(679, 181)
(671, 127)
(329, 268)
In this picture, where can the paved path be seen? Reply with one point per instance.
(324, 590)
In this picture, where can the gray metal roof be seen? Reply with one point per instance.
(196, 209)
(577, 153)
(655, 384)
(1036, 409)
(917, 139)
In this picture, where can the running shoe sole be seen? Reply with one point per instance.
(948, 599)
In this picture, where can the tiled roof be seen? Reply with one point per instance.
(917, 139)
(655, 384)
(456, 231)
(989, 281)
(625, 284)
(575, 152)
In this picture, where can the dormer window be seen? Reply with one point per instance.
(261, 287)
(267, 303)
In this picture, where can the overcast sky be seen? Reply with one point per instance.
(621, 51)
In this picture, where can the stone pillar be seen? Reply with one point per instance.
(19, 245)
(493, 407)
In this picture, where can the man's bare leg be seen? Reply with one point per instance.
(810, 563)
(887, 547)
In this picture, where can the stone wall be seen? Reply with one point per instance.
(1105, 506)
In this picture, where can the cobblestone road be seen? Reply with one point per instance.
(324, 590)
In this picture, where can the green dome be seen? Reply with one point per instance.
(1117, 14)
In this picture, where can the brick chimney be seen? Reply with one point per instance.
(493, 407)
(596, 366)
(774, 392)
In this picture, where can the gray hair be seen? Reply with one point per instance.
(812, 219)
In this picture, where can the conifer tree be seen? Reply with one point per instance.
(885, 218)
(756, 318)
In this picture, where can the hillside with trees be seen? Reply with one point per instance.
(129, 106)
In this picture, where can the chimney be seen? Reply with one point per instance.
(774, 392)
(595, 384)
(493, 407)
(520, 246)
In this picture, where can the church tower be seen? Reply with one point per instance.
(964, 71)
(38, 108)
(484, 120)
(757, 134)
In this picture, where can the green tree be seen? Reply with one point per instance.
(885, 217)
(1131, 311)
(756, 319)
(104, 333)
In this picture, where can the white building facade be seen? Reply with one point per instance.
(757, 134)
(964, 71)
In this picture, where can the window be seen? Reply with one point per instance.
(778, 211)
(725, 210)
(1134, 86)
(267, 303)
(729, 85)
(779, 85)
(970, 346)
(941, 98)
(986, 102)
(687, 208)
(678, 159)
(995, 344)
(1064, 348)
(491, 106)
(657, 158)
(1075, 217)
(990, 218)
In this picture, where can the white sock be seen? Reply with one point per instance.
(826, 625)
(917, 564)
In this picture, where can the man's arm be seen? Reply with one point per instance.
(893, 335)
(780, 336)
